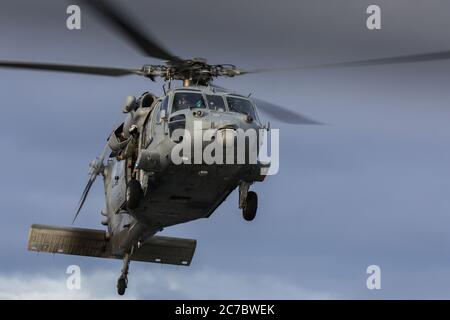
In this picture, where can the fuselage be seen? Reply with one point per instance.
(178, 162)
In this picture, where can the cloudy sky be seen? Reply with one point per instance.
(370, 187)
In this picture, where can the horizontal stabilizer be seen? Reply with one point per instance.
(167, 250)
(93, 243)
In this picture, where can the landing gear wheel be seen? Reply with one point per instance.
(134, 194)
(121, 285)
(251, 205)
(122, 282)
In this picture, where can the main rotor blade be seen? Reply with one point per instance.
(433, 56)
(117, 19)
(92, 70)
(84, 195)
(283, 114)
(275, 111)
(94, 172)
(425, 57)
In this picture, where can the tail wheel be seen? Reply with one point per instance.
(251, 206)
(121, 286)
(134, 194)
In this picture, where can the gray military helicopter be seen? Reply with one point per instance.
(145, 191)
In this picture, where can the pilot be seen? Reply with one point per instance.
(183, 102)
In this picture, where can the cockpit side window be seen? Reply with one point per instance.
(215, 102)
(164, 106)
(187, 100)
(241, 105)
(150, 124)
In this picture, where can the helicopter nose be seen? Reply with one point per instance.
(226, 137)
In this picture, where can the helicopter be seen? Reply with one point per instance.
(146, 190)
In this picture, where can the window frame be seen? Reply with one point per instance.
(172, 100)
(255, 109)
(166, 100)
(149, 125)
(225, 105)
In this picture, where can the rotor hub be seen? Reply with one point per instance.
(195, 70)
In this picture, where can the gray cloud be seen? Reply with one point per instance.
(204, 284)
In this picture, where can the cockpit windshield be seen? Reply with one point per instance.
(187, 100)
(215, 102)
(241, 105)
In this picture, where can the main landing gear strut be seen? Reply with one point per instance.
(248, 201)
